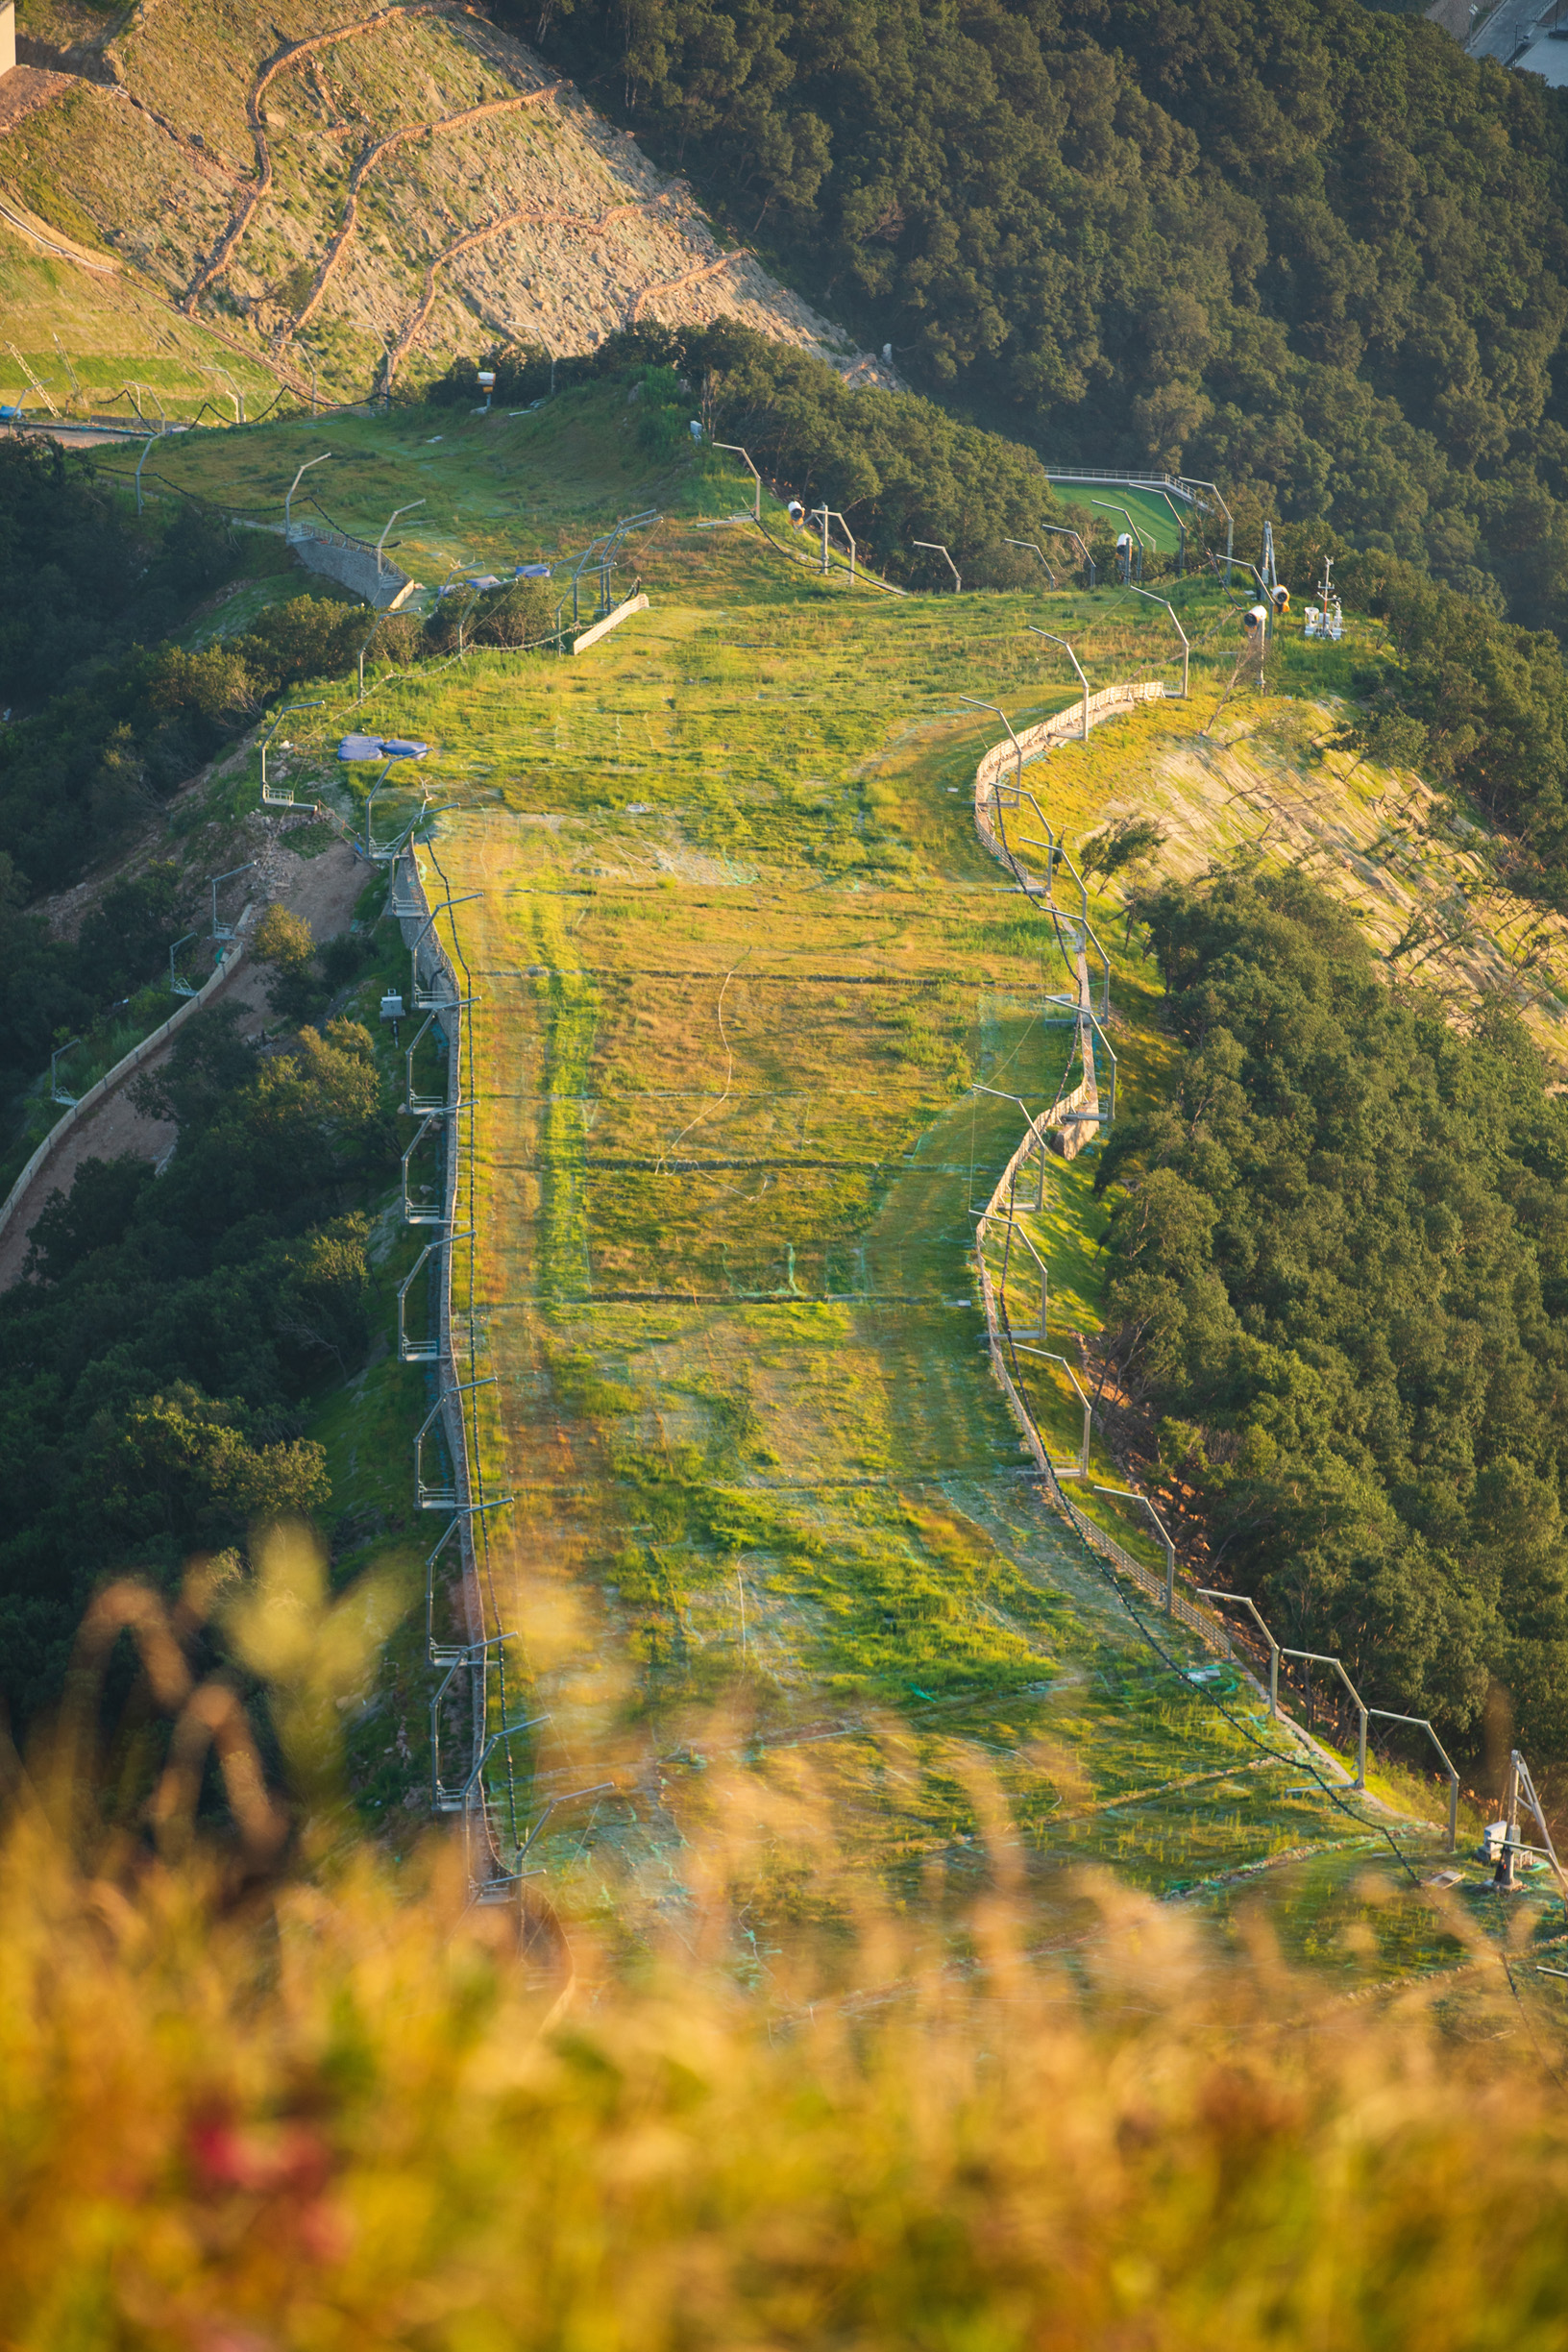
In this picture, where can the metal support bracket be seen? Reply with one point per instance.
(428, 1497)
(429, 1349)
(420, 1212)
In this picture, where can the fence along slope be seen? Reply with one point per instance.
(990, 798)
(998, 1211)
(436, 980)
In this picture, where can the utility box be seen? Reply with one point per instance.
(392, 1008)
(7, 35)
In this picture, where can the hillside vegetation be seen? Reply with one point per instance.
(1299, 246)
(351, 2110)
(1338, 1284)
(314, 188)
(741, 1385)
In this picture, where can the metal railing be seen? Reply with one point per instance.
(1007, 1348)
(1148, 478)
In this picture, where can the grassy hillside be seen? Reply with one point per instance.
(724, 1274)
(741, 962)
(315, 187)
(494, 491)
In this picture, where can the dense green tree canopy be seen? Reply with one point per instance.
(896, 467)
(1341, 1287)
(1288, 242)
(154, 1364)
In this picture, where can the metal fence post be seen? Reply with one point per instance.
(1230, 1600)
(1325, 1658)
(1130, 1494)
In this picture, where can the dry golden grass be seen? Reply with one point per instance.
(335, 2108)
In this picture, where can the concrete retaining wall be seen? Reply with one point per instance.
(1072, 1121)
(611, 619)
(352, 565)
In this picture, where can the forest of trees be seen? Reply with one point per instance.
(154, 1361)
(1294, 244)
(1340, 1290)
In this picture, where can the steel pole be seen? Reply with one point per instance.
(1018, 749)
(1132, 533)
(387, 525)
(1073, 658)
(1033, 550)
(735, 449)
(1187, 649)
(1230, 1600)
(936, 547)
(286, 711)
(1181, 525)
(288, 502)
(1130, 1494)
(1230, 526)
(1063, 531)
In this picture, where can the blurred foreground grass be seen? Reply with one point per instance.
(249, 2103)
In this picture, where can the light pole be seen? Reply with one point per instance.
(387, 525)
(364, 650)
(831, 514)
(975, 703)
(1227, 1599)
(1073, 658)
(66, 1101)
(1187, 649)
(392, 748)
(937, 549)
(177, 986)
(238, 397)
(1060, 531)
(1135, 539)
(1230, 526)
(288, 502)
(1129, 1494)
(1179, 520)
(735, 449)
(276, 724)
(1034, 550)
(140, 462)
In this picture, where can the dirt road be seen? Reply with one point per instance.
(323, 890)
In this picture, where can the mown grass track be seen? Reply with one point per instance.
(740, 958)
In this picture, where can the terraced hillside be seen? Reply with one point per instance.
(319, 187)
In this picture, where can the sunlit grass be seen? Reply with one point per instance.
(268, 2095)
